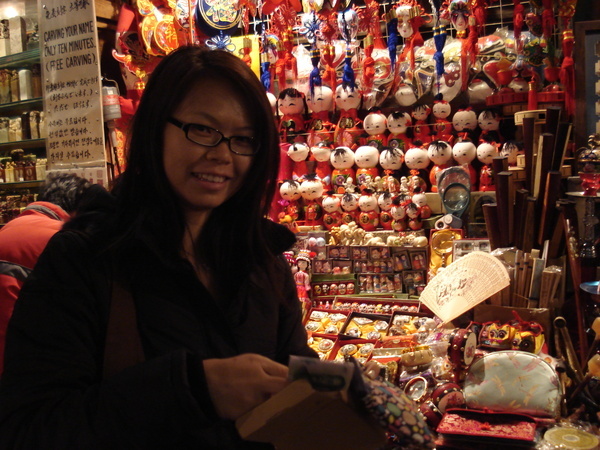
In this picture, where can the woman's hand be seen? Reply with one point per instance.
(240, 383)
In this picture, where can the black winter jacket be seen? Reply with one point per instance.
(52, 393)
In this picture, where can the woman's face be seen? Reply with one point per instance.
(205, 177)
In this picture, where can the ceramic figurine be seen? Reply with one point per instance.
(442, 129)
(332, 211)
(375, 125)
(440, 153)
(366, 158)
(320, 105)
(421, 130)
(349, 203)
(485, 154)
(342, 160)
(384, 202)
(417, 160)
(349, 126)
(292, 124)
(464, 123)
(489, 123)
(311, 190)
(368, 217)
(391, 159)
(464, 153)
(298, 153)
(399, 125)
(321, 153)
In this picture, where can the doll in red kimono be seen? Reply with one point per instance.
(342, 160)
(489, 123)
(399, 125)
(292, 124)
(349, 203)
(311, 190)
(375, 125)
(440, 153)
(298, 152)
(290, 199)
(485, 154)
(442, 129)
(391, 160)
(349, 127)
(421, 130)
(366, 159)
(464, 153)
(320, 105)
(332, 210)
(368, 218)
(321, 153)
(385, 204)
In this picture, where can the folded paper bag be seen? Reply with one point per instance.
(300, 417)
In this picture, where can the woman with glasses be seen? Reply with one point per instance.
(183, 249)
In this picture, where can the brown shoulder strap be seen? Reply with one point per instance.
(123, 346)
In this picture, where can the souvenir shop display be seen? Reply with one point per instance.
(424, 148)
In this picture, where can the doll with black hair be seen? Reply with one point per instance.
(291, 104)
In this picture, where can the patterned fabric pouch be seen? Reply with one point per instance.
(516, 382)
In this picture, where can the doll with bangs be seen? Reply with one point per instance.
(421, 130)
(292, 106)
(375, 125)
(349, 127)
(399, 125)
(320, 105)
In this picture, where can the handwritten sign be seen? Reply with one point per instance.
(72, 84)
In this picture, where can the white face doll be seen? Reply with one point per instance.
(384, 201)
(420, 199)
(367, 202)
(464, 120)
(391, 159)
(375, 123)
(320, 100)
(347, 98)
(441, 110)
(486, 153)
(349, 202)
(311, 189)
(459, 16)
(397, 211)
(321, 153)
(290, 190)
(440, 153)
(488, 121)
(366, 157)
(298, 151)
(510, 150)
(331, 204)
(342, 158)
(398, 123)
(291, 102)
(416, 158)
(464, 152)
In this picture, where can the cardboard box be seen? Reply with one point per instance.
(300, 418)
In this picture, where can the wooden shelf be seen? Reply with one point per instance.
(17, 108)
(25, 145)
(21, 185)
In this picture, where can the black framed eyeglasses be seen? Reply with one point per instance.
(211, 137)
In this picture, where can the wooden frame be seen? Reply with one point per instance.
(587, 45)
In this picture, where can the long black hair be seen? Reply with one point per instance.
(233, 239)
